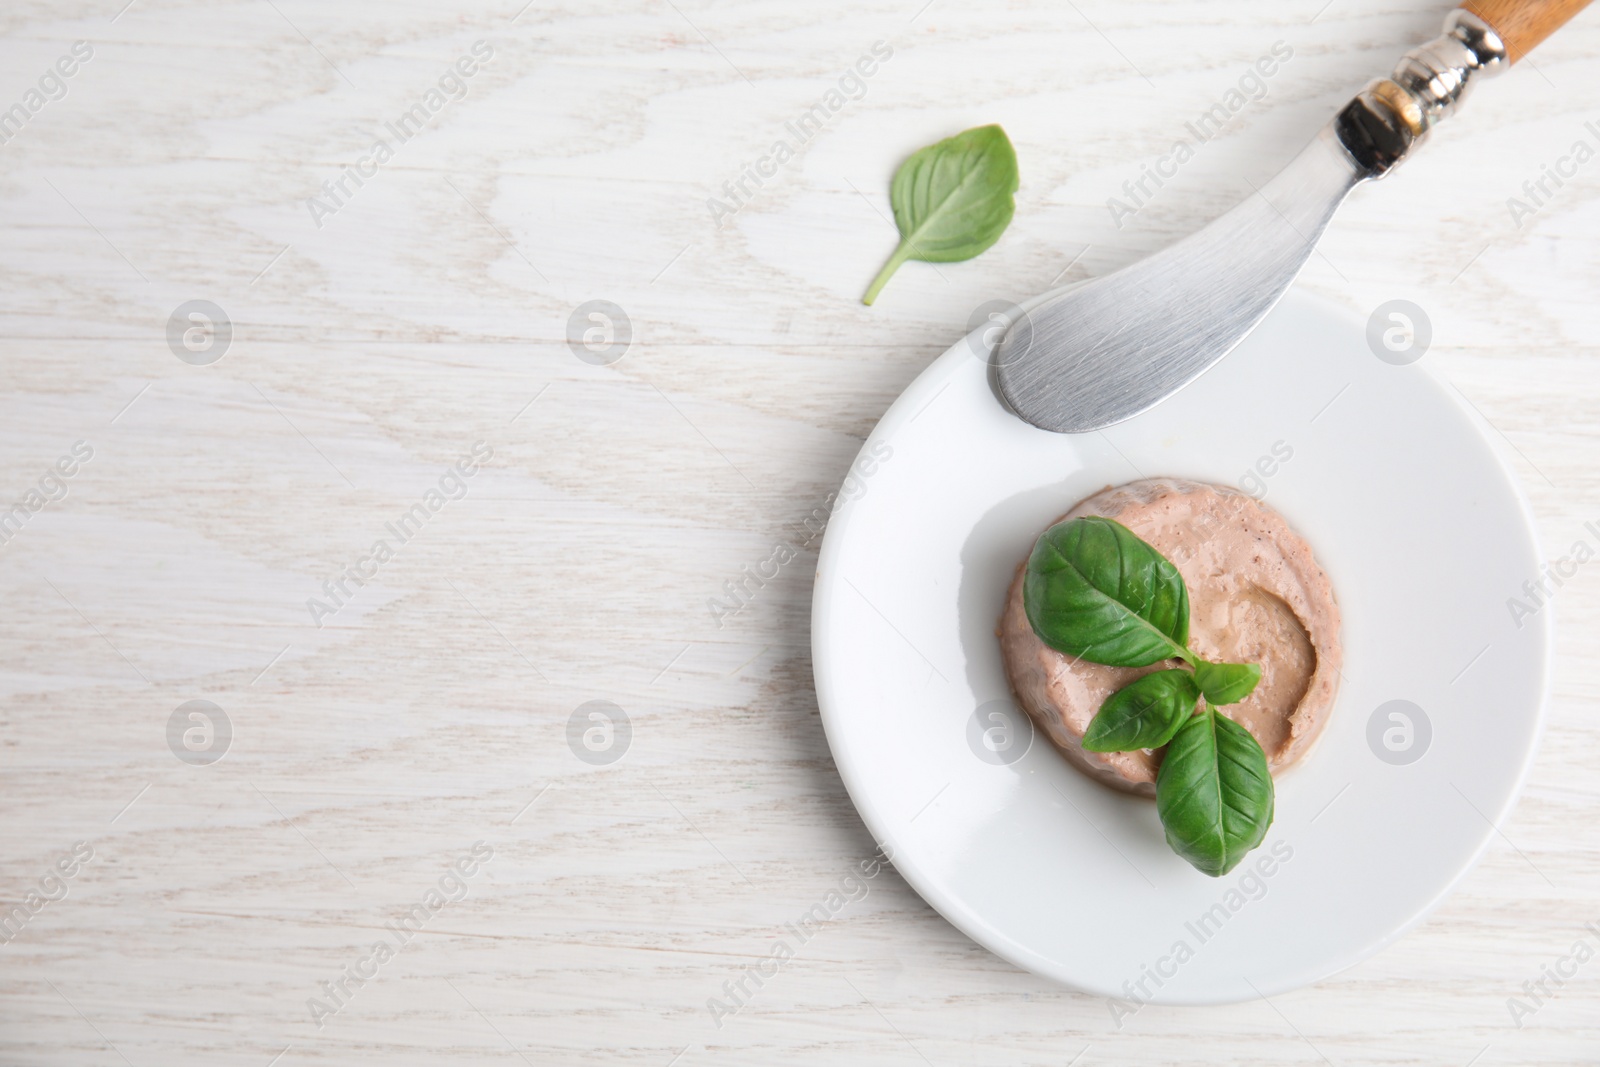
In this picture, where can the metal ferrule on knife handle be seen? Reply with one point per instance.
(1481, 38)
(1394, 114)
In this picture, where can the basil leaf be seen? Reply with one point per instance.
(951, 200)
(1214, 793)
(1226, 683)
(1143, 714)
(1095, 591)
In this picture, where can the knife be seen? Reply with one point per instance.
(1108, 349)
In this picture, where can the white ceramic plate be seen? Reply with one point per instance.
(1416, 518)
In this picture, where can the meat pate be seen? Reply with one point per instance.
(1256, 595)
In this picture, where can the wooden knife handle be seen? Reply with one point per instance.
(1522, 24)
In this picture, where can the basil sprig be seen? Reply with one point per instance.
(951, 200)
(1094, 590)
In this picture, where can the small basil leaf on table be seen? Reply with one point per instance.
(1143, 714)
(951, 200)
(1095, 591)
(1226, 683)
(1214, 792)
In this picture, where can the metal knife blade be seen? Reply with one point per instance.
(1114, 346)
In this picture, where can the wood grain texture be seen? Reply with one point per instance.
(430, 312)
(1523, 24)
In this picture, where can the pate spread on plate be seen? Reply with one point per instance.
(1256, 595)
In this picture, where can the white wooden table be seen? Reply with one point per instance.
(371, 741)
